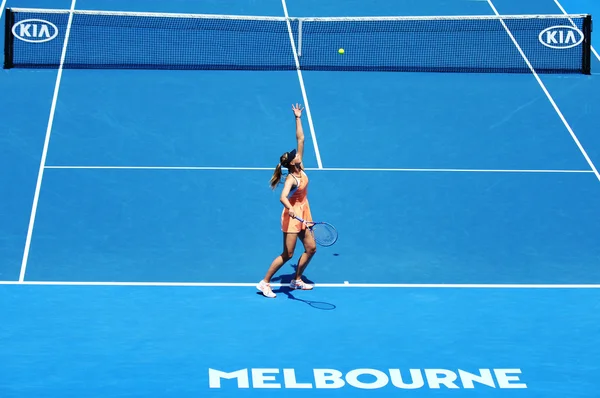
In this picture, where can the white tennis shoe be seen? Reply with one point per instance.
(266, 290)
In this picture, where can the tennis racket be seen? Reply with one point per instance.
(324, 233)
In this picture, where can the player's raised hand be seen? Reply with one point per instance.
(297, 110)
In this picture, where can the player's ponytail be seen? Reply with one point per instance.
(276, 178)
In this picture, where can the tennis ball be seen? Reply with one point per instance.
(341, 51)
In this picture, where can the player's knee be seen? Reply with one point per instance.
(311, 249)
(287, 254)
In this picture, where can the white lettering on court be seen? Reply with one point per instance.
(367, 379)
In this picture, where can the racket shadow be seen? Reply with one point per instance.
(285, 280)
(319, 305)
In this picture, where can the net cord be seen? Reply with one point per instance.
(304, 19)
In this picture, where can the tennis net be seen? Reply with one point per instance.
(35, 38)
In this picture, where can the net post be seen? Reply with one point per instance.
(8, 39)
(587, 45)
(300, 37)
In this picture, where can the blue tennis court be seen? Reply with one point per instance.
(137, 219)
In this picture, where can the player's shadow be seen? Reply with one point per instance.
(285, 280)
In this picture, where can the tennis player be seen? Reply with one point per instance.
(295, 201)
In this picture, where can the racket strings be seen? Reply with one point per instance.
(325, 234)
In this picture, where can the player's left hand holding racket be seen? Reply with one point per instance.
(324, 233)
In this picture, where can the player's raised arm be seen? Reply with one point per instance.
(299, 131)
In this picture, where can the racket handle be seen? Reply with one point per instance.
(305, 222)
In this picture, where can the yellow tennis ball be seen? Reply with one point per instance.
(341, 50)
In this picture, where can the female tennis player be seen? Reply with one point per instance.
(295, 201)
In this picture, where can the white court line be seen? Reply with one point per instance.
(46, 143)
(2, 6)
(573, 23)
(304, 96)
(583, 152)
(216, 168)
(160, 168)
(320, 285)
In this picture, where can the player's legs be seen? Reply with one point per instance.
(289, 245)
(310, 248)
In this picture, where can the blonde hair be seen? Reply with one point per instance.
(276, 177)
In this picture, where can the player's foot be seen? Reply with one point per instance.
(265, 288)
(299, 284)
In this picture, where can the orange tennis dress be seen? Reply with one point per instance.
(299, 201)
